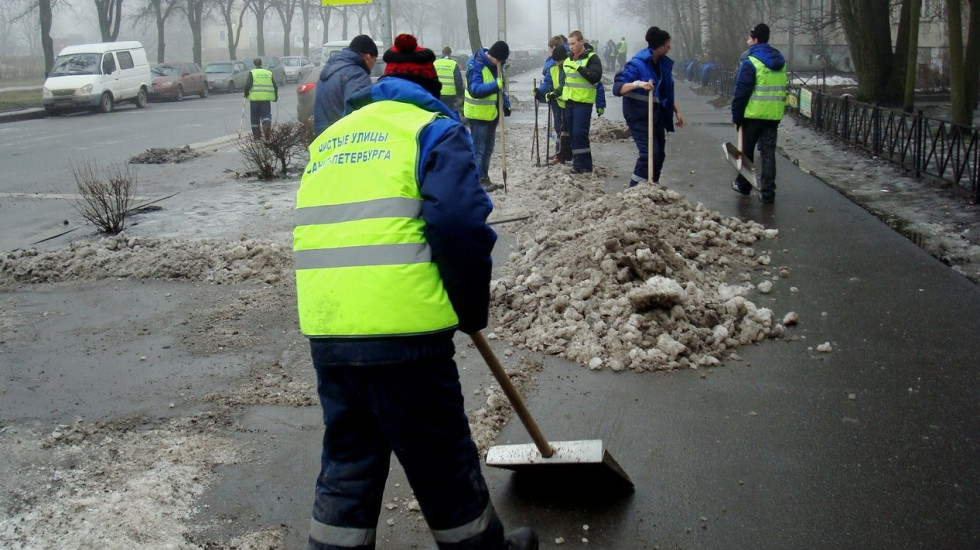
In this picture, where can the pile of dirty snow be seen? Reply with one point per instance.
(143, 258)
(163, 155)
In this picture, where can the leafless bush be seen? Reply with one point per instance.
(105, 197)
(277, 146)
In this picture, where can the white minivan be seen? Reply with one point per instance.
(97, 77)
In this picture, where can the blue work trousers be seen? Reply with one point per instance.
(484, 134)
(261, 114)
(415, 409)
(578, 119)
(638, 129)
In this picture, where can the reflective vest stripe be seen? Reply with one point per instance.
(262, 88)
(581, 151)
(484, 108)
(349, 537)
(351, 256)
(768, 99)
(395, 207)
(446, 69)
(467, 530)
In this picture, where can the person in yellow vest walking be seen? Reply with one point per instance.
(452, 80)
(261, 91)
(392, 256)
(583, 71)
(757, 107)
(621, 51)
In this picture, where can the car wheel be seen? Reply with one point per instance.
(231, 87)
(179, 95)
(105, 104)
(204, 91)
(141, 99)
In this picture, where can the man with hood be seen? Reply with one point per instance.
(392, 256)
(649, 71)
(483, 83)
(757, 108)
(343, 74)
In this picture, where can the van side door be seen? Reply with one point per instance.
(129, 79)
(110, 76)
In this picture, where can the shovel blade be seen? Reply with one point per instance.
(577, 460)
(740, 163)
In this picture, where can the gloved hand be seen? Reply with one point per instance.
(600, 110)
(550, 96)
(536, 93)
(506, 111)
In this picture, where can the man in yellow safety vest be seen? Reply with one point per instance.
(261, 90)
(451, 78)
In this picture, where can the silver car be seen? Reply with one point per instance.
(273, 65)
(297, 67)
(226, 76)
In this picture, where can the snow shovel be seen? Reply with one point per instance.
(585, 459)
(740, 162)
(500, 115)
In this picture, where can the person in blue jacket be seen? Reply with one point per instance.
(392, 254)
(557, 54)
(343, 74)
(483, 83)
(649, 70)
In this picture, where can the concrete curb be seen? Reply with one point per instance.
(22, 114)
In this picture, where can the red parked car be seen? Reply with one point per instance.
(175, 80)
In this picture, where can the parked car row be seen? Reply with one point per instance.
(175, 80)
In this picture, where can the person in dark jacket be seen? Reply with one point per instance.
(451, 78)
(392, 255)
(343, 74)
(550, 90)
(757, 107)
(483, 83)
(649, 70)
(583, 72)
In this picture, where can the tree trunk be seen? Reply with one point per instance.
(911, 67)
(161, 42)
(868, 30)
(45, 16)
(305, 6)
(110, 14)
(473, 25)
(959, 109)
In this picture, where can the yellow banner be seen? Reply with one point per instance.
(343, 2)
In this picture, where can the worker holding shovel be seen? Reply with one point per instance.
(649, 71)
(485, 97)
(392, 256)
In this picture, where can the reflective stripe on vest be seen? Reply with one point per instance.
(363, 266)
(347, 537)
(556, 83)
(577, 88)
(466, 531)
(484, 108)
(768, 99)
(262, 88)
(446, 69)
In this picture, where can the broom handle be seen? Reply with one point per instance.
(650, 137)
(500, 116)
(513, 396)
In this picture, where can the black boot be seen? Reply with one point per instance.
(522, 538)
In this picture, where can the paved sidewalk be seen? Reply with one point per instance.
(873, 445)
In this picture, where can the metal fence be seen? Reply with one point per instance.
(920, 144)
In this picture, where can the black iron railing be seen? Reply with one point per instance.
(923, 145)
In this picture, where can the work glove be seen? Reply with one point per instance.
(536, 93)
(506, 111)
(600, 110)
(550, 96)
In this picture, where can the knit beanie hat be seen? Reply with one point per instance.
(656, 37)
(761, 32)
(559, 54)
(500, 51)
(362, 43)
(409, 61)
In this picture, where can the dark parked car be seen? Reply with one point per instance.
(226, 76)
(306, 91)
(175, 80)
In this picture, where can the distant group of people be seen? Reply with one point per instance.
(392, 250)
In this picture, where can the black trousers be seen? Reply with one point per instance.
(761, 134)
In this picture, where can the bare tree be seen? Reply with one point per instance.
(158, 11)
(964, 59)
(473, 25)
(229, 9)
(195, 11)
(880, 70)
(286, 10)
(110, 15)
(45, 13)
(325, 13)
(259, 8)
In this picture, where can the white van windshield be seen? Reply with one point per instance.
(77, 63)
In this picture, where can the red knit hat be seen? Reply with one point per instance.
(409, 61)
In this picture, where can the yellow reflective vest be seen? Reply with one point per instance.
(768, 99)
(577, 88)
(363, 266)
(262, 88)
(446, 69)
(557, 83)
(484, 108)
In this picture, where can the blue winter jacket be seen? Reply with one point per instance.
(342, 75)
(640, 67)
(745, 77)
(474, 78)
(455, 210)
